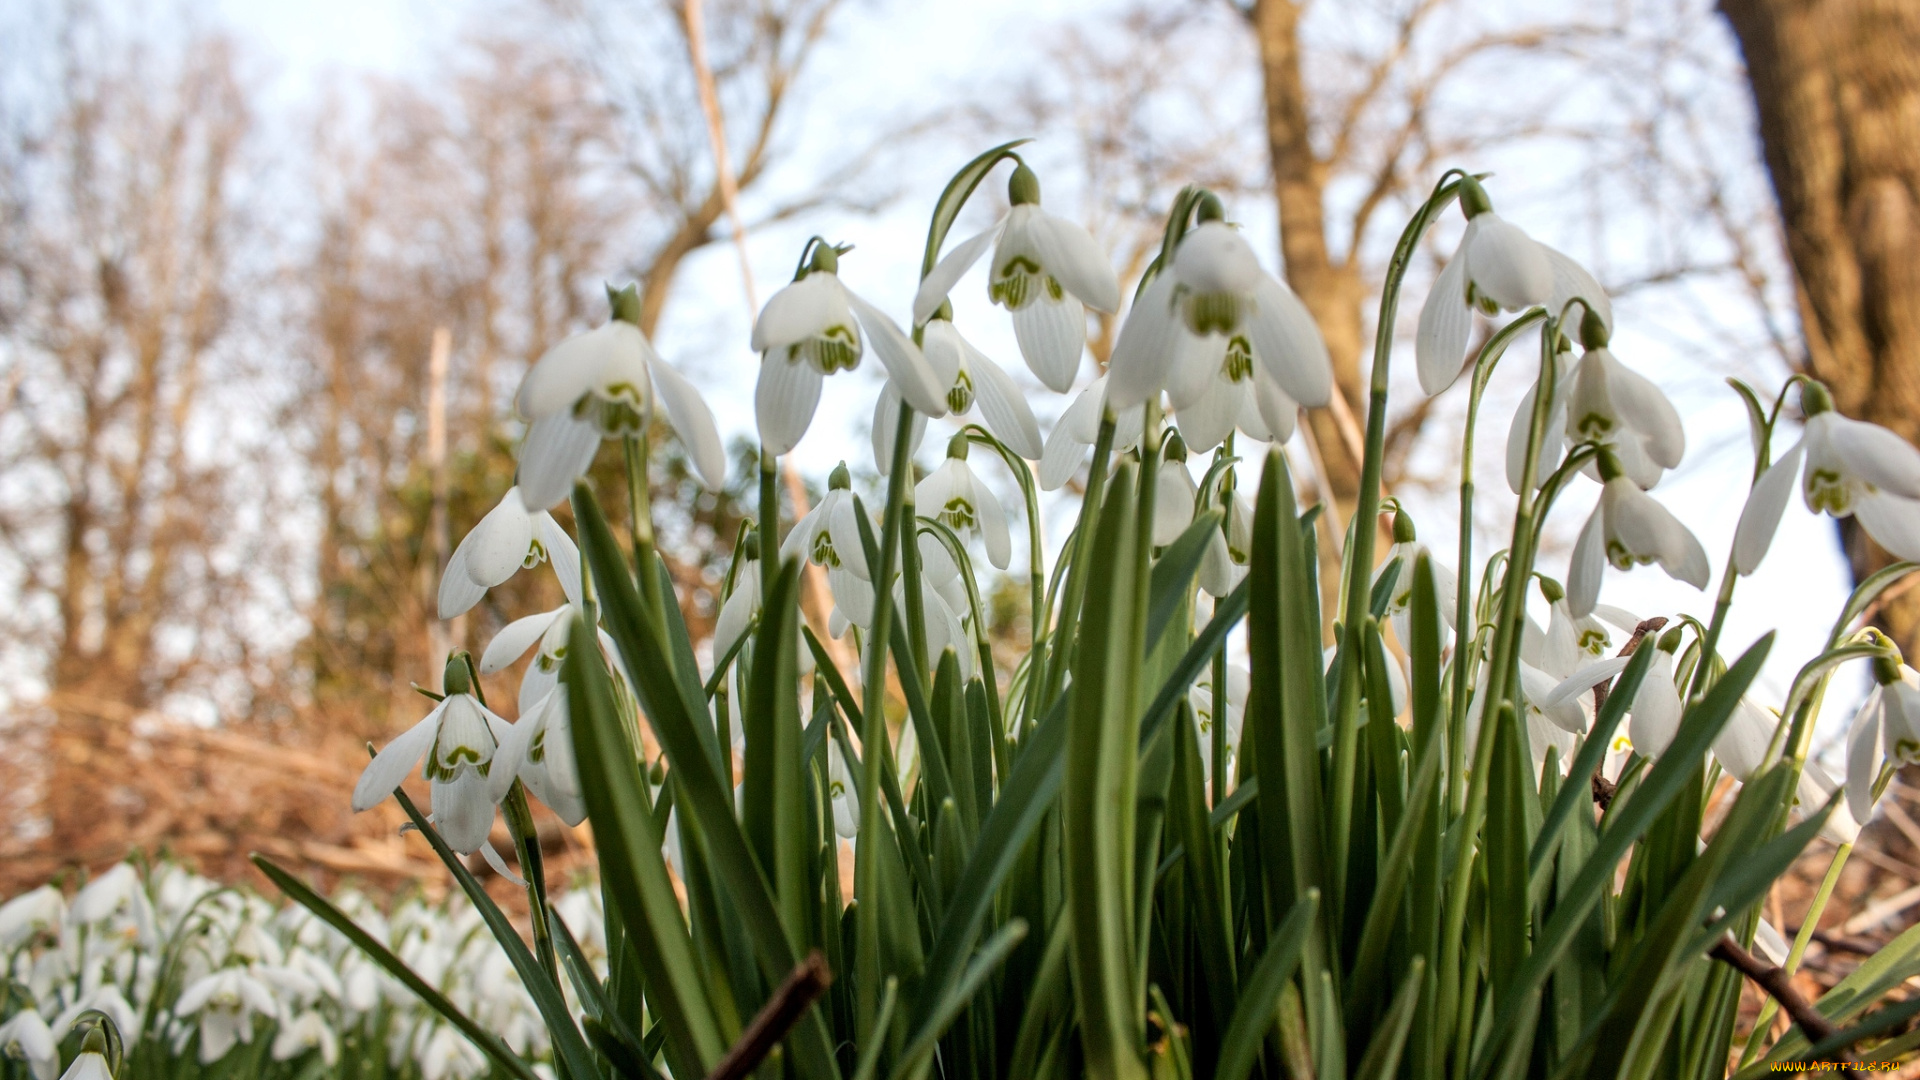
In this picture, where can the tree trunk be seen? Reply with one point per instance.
(1837, 87)
(1332, 291)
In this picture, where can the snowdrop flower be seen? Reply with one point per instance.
(116, 894)
(1852, 468)
(1174, 493)
(1403, 556)
(602, 384)
(1496, 267)
(944, 605)
(1887, 728)
(740, 611)
(458, 741)
(844, 792)
(1816, 787)
(27, 916)
(811, 329)
(1656, 706)
(1604, 402)
(539, 752)
(308, 1031)
(1218, 386)
(226, 1002)
(1628, 528)
(1741, 746)
(1224, 562)
(952, 495)
(970, 379)
(1079, 428)
(1215, 306)
(444, 1054)
(510, 538)
(1552, 722)
(1046, 271)
(27, 1038)
(829, 534)
(1396, 679)
(1200, 700)
(1570, 641)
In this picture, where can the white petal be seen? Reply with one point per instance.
(1877, 456)
(948, 272)
(562, 555)
(1507, 265)
(692, 420)
(1005, 409)
(944, 484)
(1215, 258)
(852, 597)
(799, 311)
(1278, 412)
(1082, 418)
(736, 614)
(1645, 406)
(843, 527)
(1741, 746)
(1287, 342)
(392, 764)
(458, 591)
(1198, 365)
(1440, 345)
(1565, 714)
(1052, 334)
(905, 365)
(1584, 680)
(1205, 421)
(1760, 519)
(462, 811)
(993, 526)
(1172, 503)
(1619, 617)
(886, 423)
(510, 755)
(1892, 521)
(558, 449)
(1656, 709)
(1588, 565)
(784, 401)
(1571, 280)
(1061, 457)
(1863, 755)
(1070, 255)
(571, 369)
(514, 639)
(943, 346)
(1150, 344)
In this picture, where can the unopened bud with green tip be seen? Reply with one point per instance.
(1023, 187)
(1174, 448)
(1670, 641)
(839, 479)
(958, 446)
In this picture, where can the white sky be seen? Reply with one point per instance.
(901, 52)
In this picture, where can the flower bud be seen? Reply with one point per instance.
(1814, 398)
(1174, 448)
(1670, 641)
(1551, 589)
(1473, 198)
(839, 479)
(826, 259)
(957, 446)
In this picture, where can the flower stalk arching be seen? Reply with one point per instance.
(1036, 554)
(1483, 367)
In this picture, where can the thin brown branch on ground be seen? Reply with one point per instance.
(1779, 986)
(803, 986)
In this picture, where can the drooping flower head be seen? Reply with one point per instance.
(956, 498)
(1604, 402)
(603, 384)
(510, 538)
(812, 329)
(1628, 528)
(457, 740)
(1885, 730)
(1497, 267)
(1046, 271)
(971, 379)
(1852, 468)
(1214, 315)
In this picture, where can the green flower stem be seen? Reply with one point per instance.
(873, 735)
(1346, 716)
(1060, 641)
(1036, 554)
(1463, 659)
(526, 843)
(912, 590)
(640, 525)
(1799, 949)
(770, 527)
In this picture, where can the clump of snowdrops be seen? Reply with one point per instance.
(1182, 836)
(155, 971)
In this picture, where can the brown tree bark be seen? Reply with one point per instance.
(1836, 84)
